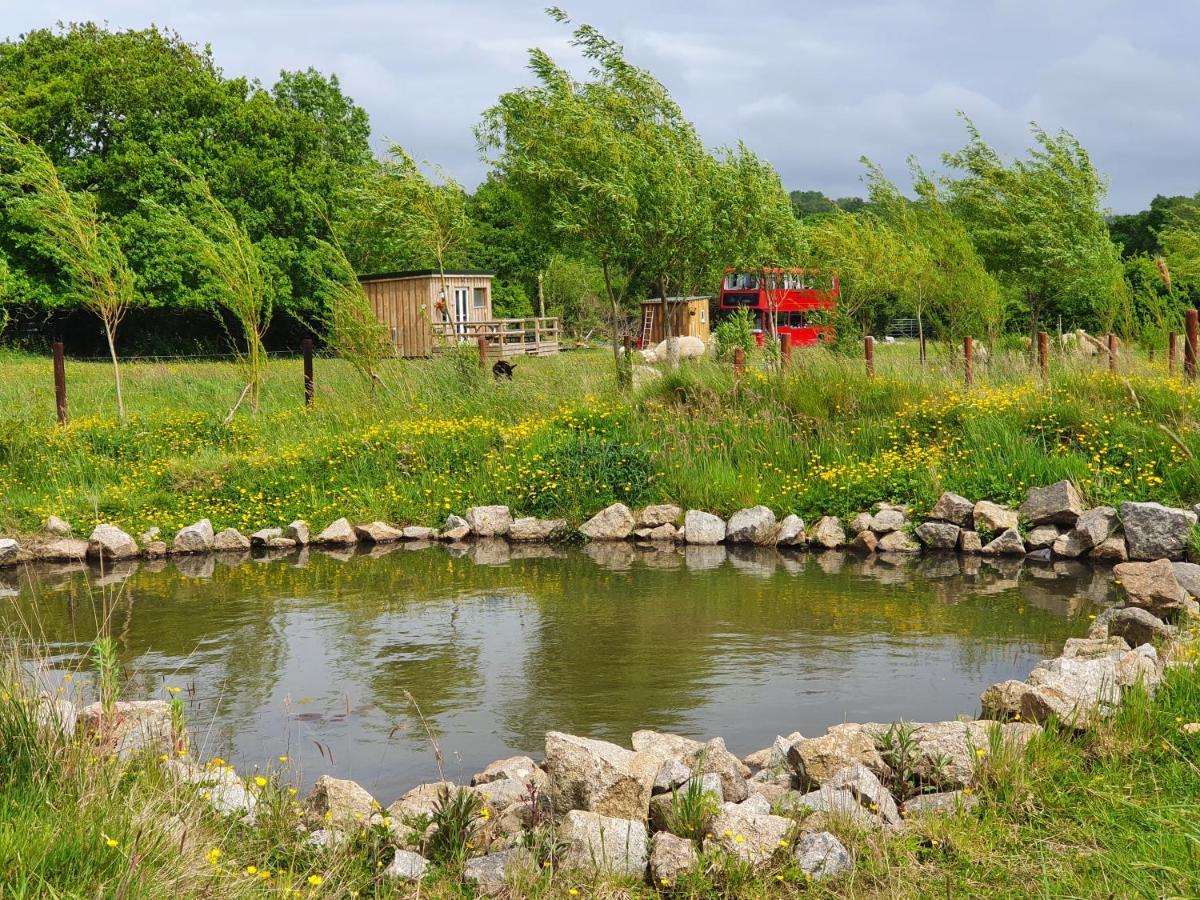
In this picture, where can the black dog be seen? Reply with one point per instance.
(503, 369)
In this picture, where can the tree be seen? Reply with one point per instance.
(574, 290)
(350, 325)
(67, 229)
(1138, 232)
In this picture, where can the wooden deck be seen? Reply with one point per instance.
(534, 336)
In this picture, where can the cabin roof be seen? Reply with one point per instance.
(424, 273)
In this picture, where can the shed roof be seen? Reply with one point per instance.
(691, 299)
(424, 273)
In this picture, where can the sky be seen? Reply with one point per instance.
(812, 86)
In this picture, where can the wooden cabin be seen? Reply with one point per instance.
(411, 306)
(689, 316)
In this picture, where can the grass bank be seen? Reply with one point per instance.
(560, 440)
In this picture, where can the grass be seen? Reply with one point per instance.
(560, 440)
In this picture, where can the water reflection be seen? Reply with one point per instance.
(322, 656)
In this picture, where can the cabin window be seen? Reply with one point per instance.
(480, 298)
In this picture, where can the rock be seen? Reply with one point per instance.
(791, 532)
(58, 714)
(750, 837)
(155, 549)
(1004, 699)
(775, 755)
(1072, 544)
(378, 533)
(816, 760)
(1055, 504)
(664, 745)
(298, 531)
(197, 538)
(603, 844)
(670, 857)
(703, 528)
(340, 803)
(887, 520)
(490, 873)
(828, 533)
(955, 509)
(108, 543)
(938, 535)
(1073, 690)
(820, 855)
(1188, 576)
(1150, 585)
(505, 792)
(1045, 555)
(992, 518)
(218, 785)
(671, 774)
(406, 866)
(829, 802)
(599, 777)
(456, 528)
(421, 800)
(1137, 626)
(898, 542)
(868, 790)
(230, 539)
(264, 536)
(1154, 531)
(53, 550)
(1042, 537)
(531, 529)
(756, 804)
(337, 533)
(658, 534)
(864, 542)
(134, 727)
(946, 753)
(662, 514)
(1007, 543)
(56, 527)
(518, 768)
(488, 521)
(1100, 523)
(860, 523)
(969, 542)
(713, 758)
(946, 803)
(1112, 549)
(751, 526)
(326, 838)
(613, 523)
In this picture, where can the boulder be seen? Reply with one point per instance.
(969, 542)
(52, 550)
(955, 509)
(487, 521)
(816, 760)
(992, 518)
(219, 786)
(791, 532)
(197, 538)
(56, 527)
(898, 542)
(1137, 626)
(775, 755)
(661, 514)
(1111, 550)
(613, 523)
(299, 532)
(756, 525)
(407, 866)
(419, 533)
(264, 536)
(658, 534)
(664, 745)
(133, 728)
(456, 528)
(108, 543)
(531, 529)
(518, 768)
(490, 873)
(703, 528)
(756, 804)
(670, 857)
(421, 800)
(1099, 523)
(946, 803)
(938, 535)
(864, 542)
(340, 803)
(662, 806)
(154, 549)
(337, 533)
(1007, 543)
(860, 523)
(599, 777)
(828, 533)
(603, 844)
(1188, 576)
(750, 837)
(1042, 537)
(1150, 585)
(1154, 531)
(714, 759)
(378, 532)
(1055, 504)
(946, 753)
(820, 855)
(828, 802)
(868, 790)
(1072, 544)
(887, 520)
(230, 539)
(671, 774)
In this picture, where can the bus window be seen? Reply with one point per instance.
(789, 319)
(737, 281)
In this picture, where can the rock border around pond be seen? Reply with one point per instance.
(1052, 523)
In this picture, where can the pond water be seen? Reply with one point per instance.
(324, 658)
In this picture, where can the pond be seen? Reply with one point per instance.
(325, 658)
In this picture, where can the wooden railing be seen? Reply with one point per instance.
(535, 336)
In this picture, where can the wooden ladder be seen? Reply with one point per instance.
(647, 326)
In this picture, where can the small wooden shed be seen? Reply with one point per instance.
(689, 316)
(411, 305)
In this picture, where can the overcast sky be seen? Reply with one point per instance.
(811, 85)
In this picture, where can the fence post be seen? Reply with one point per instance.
(739, 362)
(969, 359)
(306, 346)
(1172, 340)
(1044, 355)
(1112, 352)
(60, 383)
(869, 355)
(785, 350)
(1189, 347)
(483, 353)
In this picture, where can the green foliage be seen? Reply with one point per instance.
(455, 819)
(107, 669)
(735, 330)
(350, 326)
(692, 810)
(574, 290)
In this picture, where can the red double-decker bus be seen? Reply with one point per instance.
(801, 302)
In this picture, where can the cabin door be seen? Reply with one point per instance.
(462, 299)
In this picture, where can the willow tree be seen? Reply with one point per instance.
(67, 228)
(350, 325)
